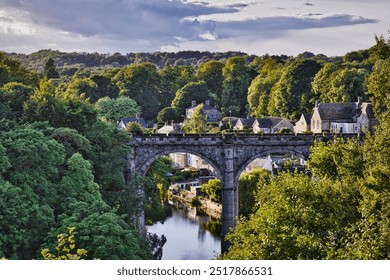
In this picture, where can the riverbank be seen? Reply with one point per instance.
(203, 204)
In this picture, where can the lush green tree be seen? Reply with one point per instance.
(115, 109)
(14, 94)
(84, 87)
(321, 84)
(72, 141)
(106, 87)
(337, 159)
(381, 50)
(247, 187)
(108, 157)
(296, 218)
(259, 93)
(235, 86)
(346, 86)
(23, 222)
(141, 82)
(213, 189)
(60, 110)
(211, 73)
(293, 93)
(78, 184)
(378, 85)
(174, 78)
(197, 123)
(197, 91)
(101, 232)
(50, 71)
(12, 71)
(166, 115)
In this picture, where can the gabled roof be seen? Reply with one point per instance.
(247, 121)
(141, 121)
(307, 117)
(269, 122)
(232, 120)
(337, 111)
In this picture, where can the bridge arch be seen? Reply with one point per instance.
(263, 153)
(144, 167)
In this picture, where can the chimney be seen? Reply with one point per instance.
(316, 103)
(193, 103)
(359, 103)
(208, 102)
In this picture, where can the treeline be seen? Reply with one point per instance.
(237, 84)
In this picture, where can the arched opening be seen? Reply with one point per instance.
(260, 168)
(186, 225)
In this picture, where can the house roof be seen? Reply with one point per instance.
(307, 117)
(268, 122)
(205, 107)
(336, 111)
(232, 120)
(247, 121)
(141, 121)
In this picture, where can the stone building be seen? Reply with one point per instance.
(212, 114)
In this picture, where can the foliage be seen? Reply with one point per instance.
(66, 248)
(142, 83)
(134, 127)
(194, 91)
(235, 86)
(213, 189)
(115, 109)
(259, 93)
(166, 115)
(50, 71)
(379, 86)
(247, 186)
(197, 123)
(296, 218)
(293, 94)
(337, 159)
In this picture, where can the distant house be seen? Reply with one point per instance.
(271, 124)
(212, 114)
(243, 123)
(226, 120)
(303, 124)
(125, 121)
(170, 129)
(343, 117)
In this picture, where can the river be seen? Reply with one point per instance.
(187, 238)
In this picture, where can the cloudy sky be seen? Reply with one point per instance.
(331, 27)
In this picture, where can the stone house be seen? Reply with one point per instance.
(271, 124)
(343, 117)
(212, 114)
(303, 124)
(243, 123)
(170, 128)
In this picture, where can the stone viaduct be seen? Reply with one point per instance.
(228, 154)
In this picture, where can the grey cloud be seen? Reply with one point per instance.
(158, 22)
(271, 27)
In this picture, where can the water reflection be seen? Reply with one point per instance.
(187, 235)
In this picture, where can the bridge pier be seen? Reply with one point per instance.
(229, 199)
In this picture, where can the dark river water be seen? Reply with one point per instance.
(187, 238)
